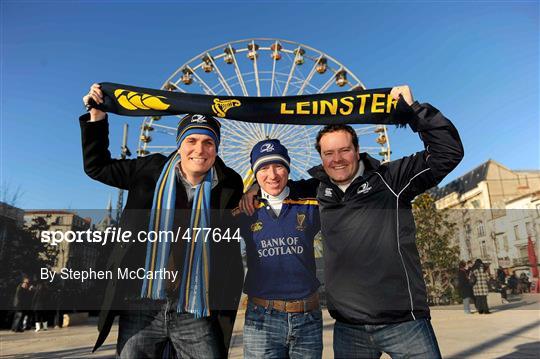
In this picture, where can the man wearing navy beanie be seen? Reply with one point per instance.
(190, 188)
(197, 138)
(281, 283)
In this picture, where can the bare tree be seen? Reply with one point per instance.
(10, 195)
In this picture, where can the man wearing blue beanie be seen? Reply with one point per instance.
(283, 318)
(188, 190)
(197, 138)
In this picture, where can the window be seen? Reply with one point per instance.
(480, 230)
(483, 249)
(529, 229)
(516, 232)
(524, 253)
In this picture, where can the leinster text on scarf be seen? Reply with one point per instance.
(364, 106)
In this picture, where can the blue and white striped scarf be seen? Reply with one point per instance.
(193, 295)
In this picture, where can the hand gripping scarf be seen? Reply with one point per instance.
(193, 295)
(365, 106)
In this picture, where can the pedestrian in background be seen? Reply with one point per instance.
(524, 283)
(501, 276)
(464, 287)
(513, 283)
(57, 296)
(501, 279)
(479, 278)
(40, 302)
(21, 304)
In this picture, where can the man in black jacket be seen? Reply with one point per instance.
(373, 276)
(21, 305)
(147, 324)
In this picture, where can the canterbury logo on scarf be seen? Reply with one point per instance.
(365, 106)
(193, 296)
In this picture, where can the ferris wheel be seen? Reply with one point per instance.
(261, 67)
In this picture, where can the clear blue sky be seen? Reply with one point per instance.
(478, 63)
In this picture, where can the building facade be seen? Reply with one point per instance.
(73, 255)
(496, 210)
(523, 223)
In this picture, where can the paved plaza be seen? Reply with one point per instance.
(511, 331)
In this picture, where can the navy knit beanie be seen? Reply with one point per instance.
(198, 124)
(267, 152)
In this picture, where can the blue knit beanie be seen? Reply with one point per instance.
(198, 124)
(267, 152)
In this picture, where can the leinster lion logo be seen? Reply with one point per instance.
(267, 147)
(198, 119)
(220, 107)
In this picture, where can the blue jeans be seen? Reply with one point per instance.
(467, 305)
(18, 320)
(147, 325)
(412, 339)
(273, 334)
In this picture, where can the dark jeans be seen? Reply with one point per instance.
(17, 324)
(504, 294)
(412, 339)
(147, 325)
(269, 333)
(58, 318)
(481, 304)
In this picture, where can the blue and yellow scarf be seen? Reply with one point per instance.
(193, 295)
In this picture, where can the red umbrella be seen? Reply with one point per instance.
(532, 258)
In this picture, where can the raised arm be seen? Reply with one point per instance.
(98, 163)
(443, 149)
